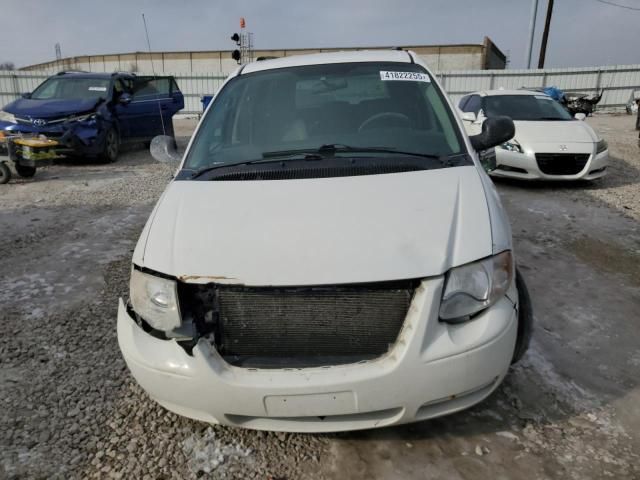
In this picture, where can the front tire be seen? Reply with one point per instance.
(111, 146)
(5, 173)
(525, 319)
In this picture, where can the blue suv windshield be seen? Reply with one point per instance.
(67, 88)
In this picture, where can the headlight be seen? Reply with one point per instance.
(512, 146)
(7, 117)
(475, 286)
(602, 146)
(155, 299)
(83, 118)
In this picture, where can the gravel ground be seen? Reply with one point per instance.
(620, 188)
(71, 410)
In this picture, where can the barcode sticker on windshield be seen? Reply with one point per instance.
(406, 76)
(97, 89)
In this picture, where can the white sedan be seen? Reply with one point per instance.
(549, 143)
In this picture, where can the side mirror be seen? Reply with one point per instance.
(469, 117)
(26, 95)
(495, 131)
(580, 116)
(125, 99)
(163, 149)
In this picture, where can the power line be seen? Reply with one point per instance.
(606, 2)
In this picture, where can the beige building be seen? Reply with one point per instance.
(439, 58)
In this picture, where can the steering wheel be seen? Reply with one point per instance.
(383, 117)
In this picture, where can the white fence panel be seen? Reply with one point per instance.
(617, 82)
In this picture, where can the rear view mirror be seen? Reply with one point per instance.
(164, 150)
(579, 116)
(495, 131)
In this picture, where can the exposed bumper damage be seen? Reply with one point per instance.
(432, 369)
(81, 134)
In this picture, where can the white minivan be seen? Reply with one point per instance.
(331, 254)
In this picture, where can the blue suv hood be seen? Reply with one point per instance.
(26, 107)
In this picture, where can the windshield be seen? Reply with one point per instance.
(525, 107)
(391, 106)
(66, 88)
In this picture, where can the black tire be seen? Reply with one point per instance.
(111, 146)
(24, 171)
(5, 173)
(525, 319)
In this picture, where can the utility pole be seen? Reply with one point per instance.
(532, 29)
(545, 35)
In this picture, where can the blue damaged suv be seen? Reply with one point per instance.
(93, 114)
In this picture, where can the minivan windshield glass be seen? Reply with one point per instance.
(276, 113)
(68, 88)
(525, 107)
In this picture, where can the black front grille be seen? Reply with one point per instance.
(561, 163)
(305, 326)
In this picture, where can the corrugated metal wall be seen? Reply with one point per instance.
(617, 81)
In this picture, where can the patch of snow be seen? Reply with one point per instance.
(205, 453)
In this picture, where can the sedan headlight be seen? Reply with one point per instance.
(473, 287)
(155, 299)
(512, 146)
(602, 146)
(7, 117)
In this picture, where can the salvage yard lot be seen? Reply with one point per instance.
(69, 409)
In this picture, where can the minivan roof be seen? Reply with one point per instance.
(402, 56)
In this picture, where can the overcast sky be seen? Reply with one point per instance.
(583, 32)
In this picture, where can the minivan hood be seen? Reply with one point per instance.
(27, 107)
(569, 131)
(319, 231)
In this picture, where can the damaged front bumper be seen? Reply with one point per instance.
(77, 137)
(433, 369)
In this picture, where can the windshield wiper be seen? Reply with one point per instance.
(332, 148)
(318, 154)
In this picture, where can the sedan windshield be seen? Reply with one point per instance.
(525, 107)
(67, 88)
(349, 109)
